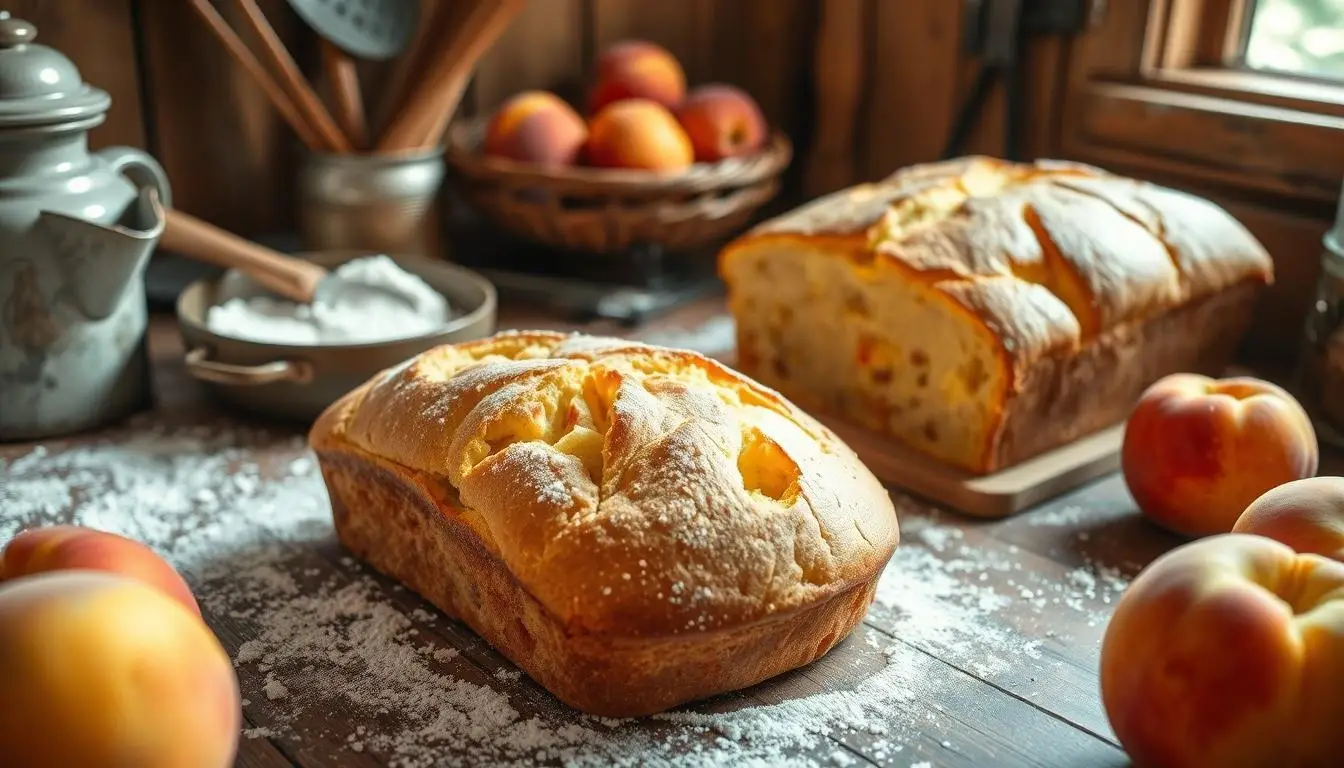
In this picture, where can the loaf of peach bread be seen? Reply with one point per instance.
(983, 312)
(633, 526)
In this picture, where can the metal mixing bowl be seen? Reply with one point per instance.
(295, 382)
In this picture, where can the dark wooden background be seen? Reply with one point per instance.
(862, 86)
(891, 73)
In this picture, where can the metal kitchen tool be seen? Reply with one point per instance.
(369, 29)
(76, 230)
(300, 280)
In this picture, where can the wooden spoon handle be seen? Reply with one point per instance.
(412, 63)
(254, 68)
(456, 85)
(448, 70)
(343, 79)
(292, 278)
(292, 80)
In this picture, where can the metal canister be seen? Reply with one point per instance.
(376, 203)
(1324, 358)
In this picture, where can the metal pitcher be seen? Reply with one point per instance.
(76, 231)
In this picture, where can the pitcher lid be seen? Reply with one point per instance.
(38, 84)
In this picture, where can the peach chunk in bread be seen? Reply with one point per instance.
(634, 526)
(984, 312)
(1228, 651)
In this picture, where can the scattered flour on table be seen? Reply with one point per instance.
(1057, 517)
(246, 518)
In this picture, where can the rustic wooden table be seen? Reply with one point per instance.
(981, 649)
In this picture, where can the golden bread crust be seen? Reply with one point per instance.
(1112, 249)
(1055, 266)
(627, 492)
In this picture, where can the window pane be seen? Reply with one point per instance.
(1304, 37)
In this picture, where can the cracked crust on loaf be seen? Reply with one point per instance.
(634, 526)
(983, 311)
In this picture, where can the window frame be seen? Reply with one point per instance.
(1156, 87)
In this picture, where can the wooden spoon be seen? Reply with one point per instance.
(290, 277)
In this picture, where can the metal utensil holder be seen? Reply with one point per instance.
(374, 203)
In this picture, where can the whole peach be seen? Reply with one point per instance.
(536, 127)
(67, 547)
(722, 121)
(1198, 450)
(1228, 651)
(103, 671)
(638, 133)
(1307, 515)
(637, 69)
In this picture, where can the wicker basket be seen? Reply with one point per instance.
(602, 210)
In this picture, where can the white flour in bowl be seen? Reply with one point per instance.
(359, 313)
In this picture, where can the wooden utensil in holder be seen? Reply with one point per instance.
(424, 119)
(426, 89)
(344, 80)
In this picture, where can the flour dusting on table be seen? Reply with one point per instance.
(322, 634)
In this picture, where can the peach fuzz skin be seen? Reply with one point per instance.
(1228, 651)
(636, 133)
(536, 127)
(637, 69)
(722, 121)
(1307, 515)
(1198, 450)
(67, 547)
(102, 671)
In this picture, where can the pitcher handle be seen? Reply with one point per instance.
(140, 167)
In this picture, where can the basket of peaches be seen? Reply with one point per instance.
(649, 162)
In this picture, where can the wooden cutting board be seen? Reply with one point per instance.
(1000, 494)
(997, 495)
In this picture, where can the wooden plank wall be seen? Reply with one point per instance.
(862, 86)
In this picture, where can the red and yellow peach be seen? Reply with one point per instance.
(638, 133)
(1198, 450)
(1228, 651)
(536, 127)
(722, 121)
(102, 671)
(69, 547)
(1307, 515)
(637, 69)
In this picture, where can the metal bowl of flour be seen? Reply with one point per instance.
(295, 382)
